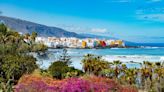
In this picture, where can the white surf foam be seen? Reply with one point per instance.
(135, 58)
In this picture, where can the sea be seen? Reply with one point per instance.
(132, 57)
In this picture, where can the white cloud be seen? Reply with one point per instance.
(79, 29)
(151, 10)
(119, 1)
(154, 0)
(133, 1)
(151, 13)
(73, 28)
(152, 17)
(99, 30)
(122, 1)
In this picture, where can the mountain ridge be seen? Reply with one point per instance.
(24, 26)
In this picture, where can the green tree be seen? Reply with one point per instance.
(61, 70)
(14, 58)
(117, 69)
(27, 36)
(4, 36)
(14, 66)
(39, 48)
(33, 36)
(65, 57)
(131, 75)
(94, 65)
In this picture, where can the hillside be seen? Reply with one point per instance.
(42, 30)
(24, 26)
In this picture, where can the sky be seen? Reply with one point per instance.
(131, 20)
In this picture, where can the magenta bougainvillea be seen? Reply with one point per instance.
(31, 83)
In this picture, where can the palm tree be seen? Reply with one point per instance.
(33, 36)
(94, 65)
(65, 57)
(116, 65)
(147, 72)
(159, 70)
(86, 63)
(131, 75)
(3, 33)
(6, 36)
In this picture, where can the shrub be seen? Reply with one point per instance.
(128, 89)
(94, 64)
(31, 83)
(101, 84)
(37, 86)
(61, 70)
(14, 66)
(75, 85)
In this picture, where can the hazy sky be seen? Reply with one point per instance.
(132, 20)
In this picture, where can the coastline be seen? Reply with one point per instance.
(130, 56)
(95, 47)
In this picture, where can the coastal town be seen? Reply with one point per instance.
(72, 42)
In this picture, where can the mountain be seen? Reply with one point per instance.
(42, 30)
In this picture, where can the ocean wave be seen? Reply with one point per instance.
(162, 59)
(73, 52)
(135, 58)
(115, 48)
(149, 47)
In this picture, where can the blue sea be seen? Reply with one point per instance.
(125, 55)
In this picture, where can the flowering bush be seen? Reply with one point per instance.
(75, 85)
(101, 84)
(128, 89)
(31, 83)
(36, 86)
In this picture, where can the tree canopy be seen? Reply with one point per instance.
(14, 58)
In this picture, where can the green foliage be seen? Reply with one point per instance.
(61, 70)
(115, 70)
(94, 65)
(116, 63)
(3, 29)
(27, 36)
(57, 69)
(65, 57)
(107, 72)
(6, 87)
(12, 42)
(39, 48)
(14, 58)
(72, 72)
(33, 36)
(23, 48)
(44, 72)
(14, 66)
